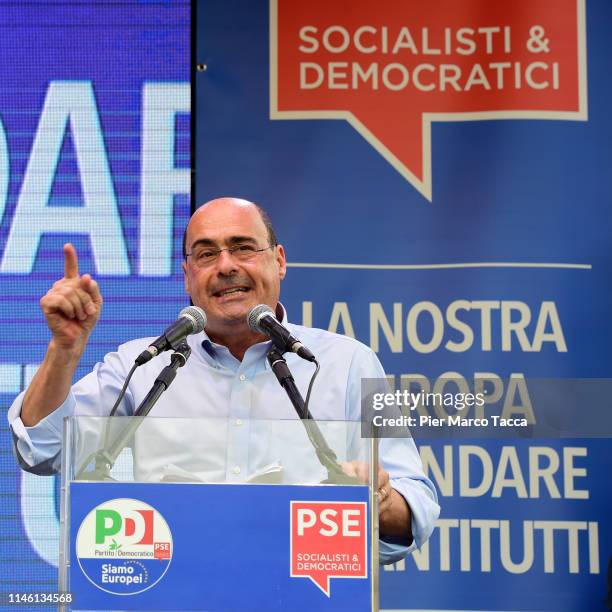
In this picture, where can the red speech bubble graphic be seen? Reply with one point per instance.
(392, 68)
(328, 540)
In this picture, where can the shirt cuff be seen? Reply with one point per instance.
(43, 441)
(424, 511)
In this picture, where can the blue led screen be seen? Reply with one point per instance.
(95, 150)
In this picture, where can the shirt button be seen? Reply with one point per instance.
(242, 377)
(238, 421)
(236, 470)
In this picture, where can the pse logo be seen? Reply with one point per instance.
(328, 540)
(124, 546)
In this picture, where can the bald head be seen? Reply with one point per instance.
(246, 268)
(237, 204)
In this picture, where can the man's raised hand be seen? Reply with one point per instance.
(72, 306)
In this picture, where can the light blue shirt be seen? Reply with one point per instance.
(234, 396)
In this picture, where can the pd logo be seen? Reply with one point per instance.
(124, 546)
(328, 540)
(110, 523)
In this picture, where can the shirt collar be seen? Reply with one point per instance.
(219, 355)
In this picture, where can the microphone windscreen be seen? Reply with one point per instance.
(255, 315)
(197, 317)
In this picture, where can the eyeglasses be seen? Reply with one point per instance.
(204, 256)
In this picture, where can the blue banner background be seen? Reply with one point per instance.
(519, 192)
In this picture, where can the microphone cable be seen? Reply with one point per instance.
(310, 385)
(123, 390)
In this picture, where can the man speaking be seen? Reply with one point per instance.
(233, 262)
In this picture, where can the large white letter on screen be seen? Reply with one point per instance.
(160, 180)
(4, 170)
(67, 103)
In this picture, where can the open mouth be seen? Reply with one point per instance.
(231, 291)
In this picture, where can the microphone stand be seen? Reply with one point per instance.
(325, 455)
(106, 456)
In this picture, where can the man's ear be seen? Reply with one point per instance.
(186, 278)
(281, 260)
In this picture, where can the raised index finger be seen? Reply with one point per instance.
(71, 262)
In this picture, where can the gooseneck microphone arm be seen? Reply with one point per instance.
(106, 456)
(285, 378)
(325, 454)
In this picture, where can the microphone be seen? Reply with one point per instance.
(261, 319)
(191, 321)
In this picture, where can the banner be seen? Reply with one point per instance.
(437, 174)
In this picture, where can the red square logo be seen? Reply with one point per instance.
(161, 550)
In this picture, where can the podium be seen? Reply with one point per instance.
(217, 515)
